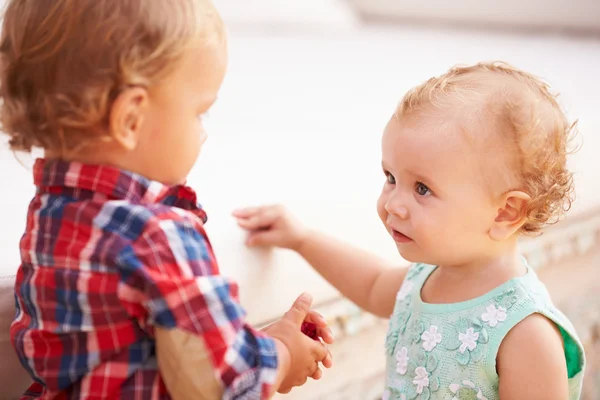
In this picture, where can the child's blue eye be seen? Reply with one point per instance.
(390, 178)
(421, 189)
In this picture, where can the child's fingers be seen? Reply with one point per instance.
(250, 224)
(316, 318)
(285, 391)
(261, 238)
(328, 360)
(319, 351)
(261, 220)
(256, 221)
(299, 309)
(246, 212)
(253, 224)
(317, 375)
(323, 330)
(326, 335)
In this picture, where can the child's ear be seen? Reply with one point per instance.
(126, 117)
(511, 215)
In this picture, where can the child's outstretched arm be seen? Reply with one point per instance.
(367, 280)
(531, 362)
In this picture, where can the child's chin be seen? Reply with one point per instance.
(409, 256)
(412, 256)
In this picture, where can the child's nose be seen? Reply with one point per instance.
(396, 206)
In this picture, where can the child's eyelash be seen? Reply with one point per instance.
(389, 178)
(422, 190)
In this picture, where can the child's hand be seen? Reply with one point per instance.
(315, 327)
(271, 226)
(304, 353)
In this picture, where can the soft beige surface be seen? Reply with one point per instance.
(13, 378)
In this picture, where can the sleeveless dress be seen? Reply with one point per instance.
(448, 351)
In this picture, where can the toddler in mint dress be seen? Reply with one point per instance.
(472, 160)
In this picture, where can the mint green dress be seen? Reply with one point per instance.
(448, 351)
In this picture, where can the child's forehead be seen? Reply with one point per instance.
(425, 138)
(444, 150)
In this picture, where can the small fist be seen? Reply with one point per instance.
(305, 354)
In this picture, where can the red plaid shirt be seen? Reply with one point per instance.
(108, 255)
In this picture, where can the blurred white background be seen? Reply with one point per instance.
(310, 87)
(299, 119)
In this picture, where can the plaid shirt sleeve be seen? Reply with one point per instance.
(171, 279)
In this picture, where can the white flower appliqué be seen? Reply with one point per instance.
(386, 395)
(405, 290)
(468, 340)
(421, 379)
(431, 338)
(494, 315)
(402, 361)
(467, 388)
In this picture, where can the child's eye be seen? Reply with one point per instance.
(390, 178)
(422, 190)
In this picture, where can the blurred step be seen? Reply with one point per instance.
(581, 16)
(573, 237)
(285, 15)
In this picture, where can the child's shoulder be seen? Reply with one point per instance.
(111, 235)
(133, 221)
(538, 353)
(538, 341)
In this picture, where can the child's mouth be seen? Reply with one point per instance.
(400, 237)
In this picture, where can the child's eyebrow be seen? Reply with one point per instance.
(426, 180)
(418, 177)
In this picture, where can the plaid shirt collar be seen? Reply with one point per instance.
(113, 183)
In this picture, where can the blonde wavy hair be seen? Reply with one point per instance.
(529, 119)
(64, 62)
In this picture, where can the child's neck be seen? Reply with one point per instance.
(101, 154)
(507, 263)
(107, 154)
(452, 284)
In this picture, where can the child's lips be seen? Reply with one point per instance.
(399, 237)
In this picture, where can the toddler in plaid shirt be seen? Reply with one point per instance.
(118, 294)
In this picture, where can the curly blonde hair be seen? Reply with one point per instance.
(64, 62)
(531, 122)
